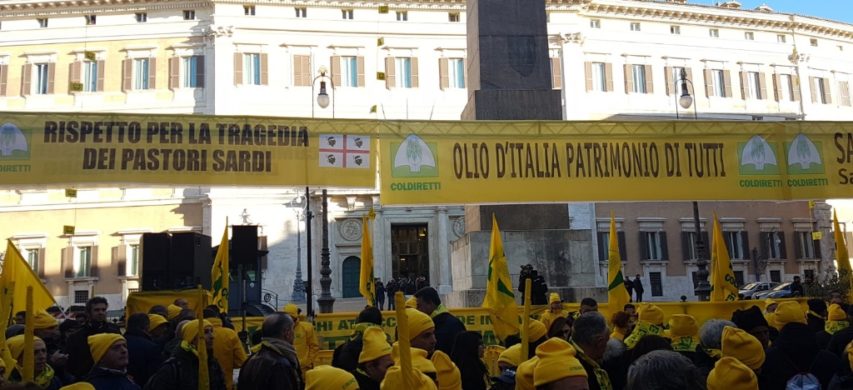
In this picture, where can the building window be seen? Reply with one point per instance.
(193, 75)
(604, 246)
(403, 72)
(249, 10)
(805, 245)
(689, 247)
(813, 42)
(739, 278)
(753, 82)
(781, 38)
(657, 285)
(301, 12)
(737, 244)
(42, 78)
(773, 245)
(638, 74)
(786, 88)
(346, 14)
(83, 262)
(453, 17)
(718, 78)
(251, 69)
(33, 259)
(595, 23)
(749, 36)
(141, 73)
(821, 90)
(808, 274)
(132, 260)
(90, 20)
(456, 72)
(349, 71)
(402, 16)
(81, 296)
(598, 73)
(42, 22)
(714, 33)
(90, 76)
(189, 14)
(776, 276)
(675, 30)
(653, 245)
(635, 26)
(141, 17)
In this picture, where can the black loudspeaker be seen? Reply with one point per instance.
(245, 258)
(154, 251)
(175, 261)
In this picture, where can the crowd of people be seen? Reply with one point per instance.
(407, 285)
(770, 345)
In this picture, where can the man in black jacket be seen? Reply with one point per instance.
(180, 372)
(346, 355)
(145, 355)
(275, 365)
(79, 357)
(446, 325)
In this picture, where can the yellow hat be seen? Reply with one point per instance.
(769, 302)
(394, 380)
(328, 377)
(375, 345)
(850, 354)
(683, 325)
(155, 320)
(447, 374)
(173, 311)
(524, 374)
(651, 314)
(418, 322)
(731, 374)
(554, 297)
(412, 302)
(556, 361)
(535, 330)
(742, 346)
(291, 309)
(16, 345)
(511, 355)
(78, 386)
(836, 313)
(788, 312)
(100, 343)
(190, 330)
(421, 362)
(43, 320)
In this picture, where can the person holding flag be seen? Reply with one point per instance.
(500, 300)
(617, 293)
(723, 283)
(366, 281)
(181, 371)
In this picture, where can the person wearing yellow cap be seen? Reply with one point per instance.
(524, 374)
(109, 351)
(412, 302)
(684, 333)
(536, 334)
(836, 320)
(44, 375)
(558, 368)
(346, 355)
(227, 347)
(327, 377)
(394, 380)
(274, 365)
(731, 374)
(651, 320)
(510, 358)
(79, 358)
(304, 339)
(555, 309)
(589, 340)
(447, 326)
(744, 347)
(374, 359)
(158, 328)
(173, 312)
(421, 330)
(46, 327)
(788, 312)
(446, 372)
(78, 386)
(180, 372)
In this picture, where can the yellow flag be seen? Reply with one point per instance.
(220, 275)
(723, 284)
(366, 282)
(617, 294)
(841, 255)
(17, 273)
(500, 299)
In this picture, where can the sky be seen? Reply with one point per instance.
(840, 10)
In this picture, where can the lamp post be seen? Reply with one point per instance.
(323, 95)
(685, 100)
(309, 289)
(298, 294)
(326, 300)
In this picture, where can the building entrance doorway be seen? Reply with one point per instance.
(410, 256)
(350, 270)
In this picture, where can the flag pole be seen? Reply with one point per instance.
(403, 340)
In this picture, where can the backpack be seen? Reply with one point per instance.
(803, 381)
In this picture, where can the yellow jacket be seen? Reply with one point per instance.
(548, 317)
(306, 344)
(228, 350)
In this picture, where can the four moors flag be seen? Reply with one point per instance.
(366, 281)
(723, 284)
(617, 294)
(219, 274)
(500, 299)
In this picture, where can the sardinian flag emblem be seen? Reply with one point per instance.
(344, 151)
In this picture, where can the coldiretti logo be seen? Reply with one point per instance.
(804, 156)
(414, 158)
(14, 144)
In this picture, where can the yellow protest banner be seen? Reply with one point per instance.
(92, 149)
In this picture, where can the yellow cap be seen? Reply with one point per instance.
(190, 330)
(328, 377)
(524, 374)
(375, 345)
(412, 302)
(769, 302)
(535, 331)
(556, 361)
(554, 297)
(651, 314)
(731, 374)
(836, 313)
(742, 346)
(420, 361)
(511, 355)
(788, 312)
(849, 351)
(100, 343)
(43, 320)
(155, 320)
(394, 380)
(447, 373)
(16, 345)
(291, 309)
(418, 322)
(78, 386)
(683, 325)
(173, 311)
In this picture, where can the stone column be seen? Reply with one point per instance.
(443, 247)
(218, 63)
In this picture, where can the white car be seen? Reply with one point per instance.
(750, 290)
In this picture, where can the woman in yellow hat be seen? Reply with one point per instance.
(44, 376)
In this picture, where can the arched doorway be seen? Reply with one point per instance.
(350, 270)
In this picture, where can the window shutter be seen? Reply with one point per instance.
(415, 82)
(556, 73)
(238, 68)
(663, 246)
(51, 78)
(798, 248)
(126, 74)
(709, 85)
(670, 81)
(389, 72)
(685, 245)
(264, 58)
(727, 77)
(335, 64)
(199, 75)
(827, 91)
(843, 93)
(650, 83)
(443, 81)
(26, 76)
(119, 258)
(747, 252)
(813, 85)
(68, 261)
(174, 72)
(644, 246)
(602, 247)
(620, 237)
(795, 86)
(777, 87)
(744, 87)
(629, 79)
(608, 76)
(587, 69)
(94, 271)
(41, 262)
(762, 85)
(764, 250)
(74, 72)
(783, 250)
(152, 73)
(298, 79)
(307, 73)
(4, 77)
(359, 63)
(102, 71)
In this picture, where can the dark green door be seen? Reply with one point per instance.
(350, 271)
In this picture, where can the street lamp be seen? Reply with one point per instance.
(323, 95)
(702, 289)
(298, 294)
